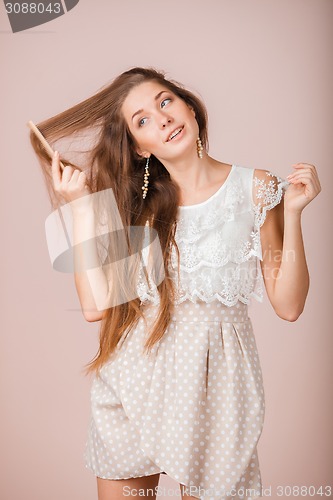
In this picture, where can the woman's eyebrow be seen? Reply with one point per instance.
(156, 97)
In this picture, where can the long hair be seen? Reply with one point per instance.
(113, 162)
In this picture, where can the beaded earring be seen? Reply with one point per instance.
(146, 175)
(199, 148)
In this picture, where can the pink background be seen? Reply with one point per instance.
(264, 70)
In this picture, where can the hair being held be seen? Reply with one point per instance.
(112, 161)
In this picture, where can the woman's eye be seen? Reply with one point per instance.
(140, 122)
(164, 101)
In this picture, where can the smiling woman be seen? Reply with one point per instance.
(177, 385)
(176, 133)
(165, 126)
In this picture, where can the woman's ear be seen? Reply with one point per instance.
(192, 110)
(143, 154)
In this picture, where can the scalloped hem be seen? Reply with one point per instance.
(197, 296)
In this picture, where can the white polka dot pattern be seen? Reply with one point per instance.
(193, 408)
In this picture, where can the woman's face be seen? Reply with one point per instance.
(153, 113)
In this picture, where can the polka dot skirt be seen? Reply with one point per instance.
(193, 408)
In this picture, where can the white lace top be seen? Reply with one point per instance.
(219, 241)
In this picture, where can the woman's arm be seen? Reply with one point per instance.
(91, 282)
(284, 264)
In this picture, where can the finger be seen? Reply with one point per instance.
(300, 166)
(67, 173)
(303, 166)
(55, 169)
(305, 175)
(297, 172)
(82, 178)
(75, 175)
(306, 181)
(300, 172)
(309, 175)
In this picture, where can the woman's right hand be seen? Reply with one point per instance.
(70, 183)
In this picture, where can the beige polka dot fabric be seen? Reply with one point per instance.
(193, 408)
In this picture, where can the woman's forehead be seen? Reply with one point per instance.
(141, 96)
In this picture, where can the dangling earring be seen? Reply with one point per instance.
(146, 175)
(199, 148)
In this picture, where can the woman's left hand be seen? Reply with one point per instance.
(304, 187)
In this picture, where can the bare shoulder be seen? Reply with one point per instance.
(261, 173)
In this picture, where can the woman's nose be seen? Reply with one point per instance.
(165, 119)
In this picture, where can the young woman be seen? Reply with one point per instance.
(178, 387)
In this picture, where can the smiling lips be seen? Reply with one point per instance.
(174, 133)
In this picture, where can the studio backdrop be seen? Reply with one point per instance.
(264, 71)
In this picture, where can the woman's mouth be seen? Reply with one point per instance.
(176, 134)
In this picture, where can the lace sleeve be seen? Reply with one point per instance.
(268, 190)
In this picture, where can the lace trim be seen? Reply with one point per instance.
(219, 254)
(214, 251)
(203, 288)
(204, 273)
(270, 192)
(196, 295)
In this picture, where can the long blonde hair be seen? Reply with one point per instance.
(114, 163)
